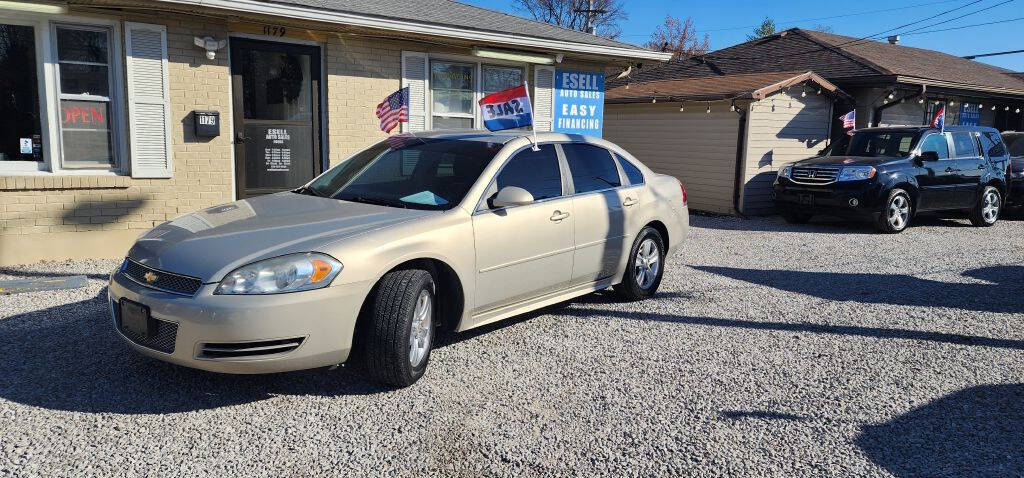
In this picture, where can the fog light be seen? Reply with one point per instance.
(854, 202)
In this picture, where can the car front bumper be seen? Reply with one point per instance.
(855, 199)
(258, 331)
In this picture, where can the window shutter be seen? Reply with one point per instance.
(414, 76)
(149, 104)
(544, 90)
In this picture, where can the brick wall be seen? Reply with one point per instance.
(202, 169)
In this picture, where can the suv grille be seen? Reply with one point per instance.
(160, 280)
(824, 175)
(162, 340)
(249, 349)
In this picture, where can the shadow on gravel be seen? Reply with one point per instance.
(978, 431)
(4, 271)
(806, 327)
(1002, 295)
(819, 225)
(70, 358)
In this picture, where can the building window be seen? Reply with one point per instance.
(84, 92)
(497, 78)
(20, 122)
(452, 89)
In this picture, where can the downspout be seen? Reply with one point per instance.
(741, 140)
(877, 116)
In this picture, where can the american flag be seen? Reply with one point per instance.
(393, 110)
(849, 119)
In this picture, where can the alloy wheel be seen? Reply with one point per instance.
(422, 323)
(899, 212)
(647, 263)
(990, 206)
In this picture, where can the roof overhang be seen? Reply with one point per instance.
(662, 90)
(809, 77)
(430, 29)
(967, 90)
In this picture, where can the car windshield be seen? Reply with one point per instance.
(1015, 143)
(408, 172)
(892, 144)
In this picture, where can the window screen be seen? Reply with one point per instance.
(592, 167)
(534, 171)
(964, 145)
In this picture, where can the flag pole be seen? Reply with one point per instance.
(533, 122)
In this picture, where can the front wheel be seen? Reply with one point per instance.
(645, 267)
(986, 212)
(400, 334)
(895, 216)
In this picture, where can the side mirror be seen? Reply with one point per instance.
(928, 156)
(511, 196)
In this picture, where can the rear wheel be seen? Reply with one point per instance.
(796, 217)
(645, 267)
(895, 216)
(986, 212)
(400, 335)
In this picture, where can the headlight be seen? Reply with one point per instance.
(291, 273)
(784, 172)
(856, 173)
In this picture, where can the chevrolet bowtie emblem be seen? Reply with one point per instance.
(151, 277)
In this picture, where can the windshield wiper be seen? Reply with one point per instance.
(374, 201)
(308, 191)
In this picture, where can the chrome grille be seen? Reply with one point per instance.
(249, 349)
(819, 175)
(165, 281)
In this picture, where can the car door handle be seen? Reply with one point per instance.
(559, 215)
(629, 202)
(951, 170)
(981, 166)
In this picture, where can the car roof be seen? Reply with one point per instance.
(923, 128)
(502, 137)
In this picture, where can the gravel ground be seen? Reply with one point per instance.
(772, 350)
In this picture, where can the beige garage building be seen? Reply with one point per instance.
(724, 137)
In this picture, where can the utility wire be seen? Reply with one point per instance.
(965, 26)
(961, 16)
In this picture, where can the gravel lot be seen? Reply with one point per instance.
(772, 350)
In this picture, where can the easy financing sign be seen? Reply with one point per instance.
(579, 102)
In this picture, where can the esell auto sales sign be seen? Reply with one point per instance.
(579, 102)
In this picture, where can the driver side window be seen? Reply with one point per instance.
(534, 171)
(936, 143)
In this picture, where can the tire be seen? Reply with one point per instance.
(635, 286)
(990, 204)
(895, 216)
(797, 217)
(398, 311)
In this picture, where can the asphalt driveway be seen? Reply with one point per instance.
(772, 350)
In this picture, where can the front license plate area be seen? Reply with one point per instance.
(807, 199)
(135, 318)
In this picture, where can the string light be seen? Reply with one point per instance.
(993, 107)
(654, 100)
(920, 101)
(819, 91)
(952, 103)
(709, 108)
(803, 94)
(682, 107)
(1018, 110)
(891, 95)
(1006, 109)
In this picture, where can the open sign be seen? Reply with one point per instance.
(84, 113)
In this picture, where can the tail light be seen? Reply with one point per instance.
(681, 188)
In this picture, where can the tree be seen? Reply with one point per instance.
(767, 28)
(678, 37)
(574, 14)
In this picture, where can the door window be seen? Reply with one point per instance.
(452, 87)
(83, 59)
(20, 136)
(276, 86)
(534, 171)
(936, 143)
(592, 167)
(964, 145)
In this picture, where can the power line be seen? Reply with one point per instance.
(961, 16)
(965, 26)
(971, 57)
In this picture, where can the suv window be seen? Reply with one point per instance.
(936, 143)
(632, 172)
(1016, 143)
(992, 144)
(964, 145)
(534, 171)
(592, 167)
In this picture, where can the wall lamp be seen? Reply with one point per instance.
(51, 8)
(522, 57)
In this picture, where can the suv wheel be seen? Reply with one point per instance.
(986, 212)
(400, 334)
(645, 268)
(895, 217)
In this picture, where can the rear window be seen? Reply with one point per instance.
(992, 144)
(632, 172)
(964, 145)
(1015, 143)
(592, 167)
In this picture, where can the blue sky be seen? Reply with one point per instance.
(728, 22)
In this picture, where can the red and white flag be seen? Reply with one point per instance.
(393, 110)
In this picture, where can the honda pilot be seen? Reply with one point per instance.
(889, 175)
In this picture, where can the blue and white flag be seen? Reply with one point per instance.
(507, 109)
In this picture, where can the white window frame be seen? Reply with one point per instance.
(477, 84)
(49, 94)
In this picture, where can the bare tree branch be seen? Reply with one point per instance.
(572, 14)
(678, 37)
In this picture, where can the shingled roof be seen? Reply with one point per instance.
(835, 57)
(711, 88)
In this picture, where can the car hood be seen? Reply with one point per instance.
(210, 243)
(845, 161)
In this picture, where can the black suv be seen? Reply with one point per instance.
(1015, 144)
(887, 175)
